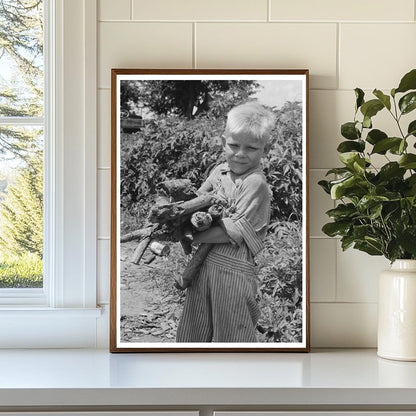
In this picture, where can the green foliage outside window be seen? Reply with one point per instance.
(21, 147)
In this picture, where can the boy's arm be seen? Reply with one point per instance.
(251, 214)
(214, 235)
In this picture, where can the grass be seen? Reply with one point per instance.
(25, 271)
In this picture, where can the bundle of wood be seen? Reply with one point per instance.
(178, 212)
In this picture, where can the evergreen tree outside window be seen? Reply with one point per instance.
(22, 120)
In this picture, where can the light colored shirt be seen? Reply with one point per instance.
(248, 200)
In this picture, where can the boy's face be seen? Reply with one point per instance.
(243, 152)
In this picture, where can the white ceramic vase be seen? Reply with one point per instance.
(397, 312)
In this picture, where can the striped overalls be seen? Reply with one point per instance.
(220, 305)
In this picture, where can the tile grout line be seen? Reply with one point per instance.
(338, 63)
(269, 11)
(336, 270)
(194, 45)
(307, 22)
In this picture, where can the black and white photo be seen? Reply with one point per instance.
(209, 232)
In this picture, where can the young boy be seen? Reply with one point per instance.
(220, 305)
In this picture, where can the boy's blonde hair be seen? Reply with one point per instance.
(251, 118)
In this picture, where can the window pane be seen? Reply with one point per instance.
(21, 207)
(21, 58)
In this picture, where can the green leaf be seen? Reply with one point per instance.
(359, 95)
(368, 248)
(408, 102)
(398, 149)
(367, 122)
(325, 186)
(407, 240)
(375, 212)
(349, 131)
(408, 82)
(342, 211)
(391, 170)
(349, 158)
(351, 187)
(411, 130)
(393, 250)
(338, 189)
(336, 228)
(385, 144)
(350, 146)
(371, 108)
(375, 135)
(385, 99)
(361, 231)
(338, 171)
(408, 161)
(359, 165)
(346, 242)
(369, 201)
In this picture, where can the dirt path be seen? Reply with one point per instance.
(149, 305)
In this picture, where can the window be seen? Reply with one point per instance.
(63, 313)
(22, 128)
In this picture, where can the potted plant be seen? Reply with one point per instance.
(376, 209)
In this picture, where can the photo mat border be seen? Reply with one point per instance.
(166, 74)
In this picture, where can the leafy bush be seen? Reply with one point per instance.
(283, 164)
(174, 147)
(377, 209)
(280, 291)
(167, 148)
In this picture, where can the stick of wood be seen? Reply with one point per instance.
(168, 212)
(144, 242)
(194, 266)
(134, 235)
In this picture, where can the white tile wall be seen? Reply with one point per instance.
(357, 275)
(319, 203)
(343, 325)
(200, 10)
(142, 45)
(114, 10)
(271, 45)
(358, 10)
(376, 55)
(323, 269)
(345, 44)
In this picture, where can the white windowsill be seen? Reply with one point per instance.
(86, 378)
(35, 311)
(41, 327)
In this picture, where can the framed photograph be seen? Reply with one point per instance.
(209, 211)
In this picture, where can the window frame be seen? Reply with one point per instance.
(67, 302)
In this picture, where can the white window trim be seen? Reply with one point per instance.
(65, 314)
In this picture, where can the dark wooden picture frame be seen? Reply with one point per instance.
(151, 130)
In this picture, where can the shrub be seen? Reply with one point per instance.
(174, 147)
(280, 290)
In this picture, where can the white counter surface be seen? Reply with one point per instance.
(42, 378)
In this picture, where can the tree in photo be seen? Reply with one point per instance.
(186, 99)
